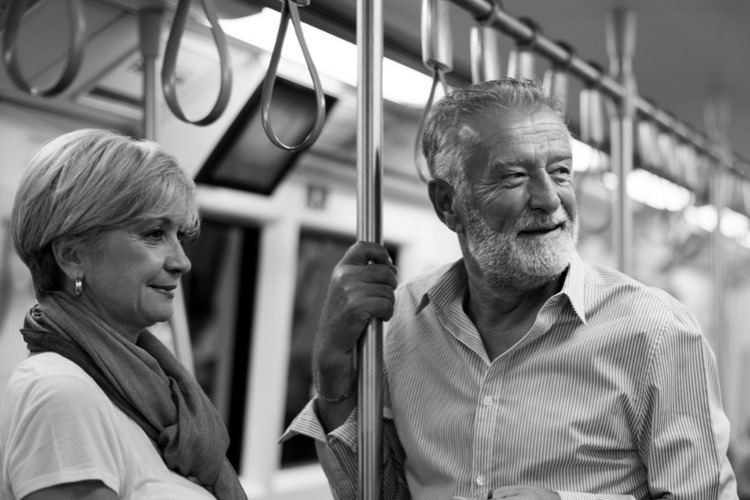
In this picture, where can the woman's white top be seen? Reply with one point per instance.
(57, 426)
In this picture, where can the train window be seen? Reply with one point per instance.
(318, 254)
(245, 158)
(217, 290)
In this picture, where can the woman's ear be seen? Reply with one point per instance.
(443, 198)
(68, 258)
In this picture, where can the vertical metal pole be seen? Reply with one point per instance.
(716, 111)
(369, 228)
(150, 33)
(620, 46)
(716, 253)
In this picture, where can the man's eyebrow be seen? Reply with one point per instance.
(509, 162)
(560, 157)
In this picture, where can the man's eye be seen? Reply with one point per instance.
(563, 170)
(514, 176)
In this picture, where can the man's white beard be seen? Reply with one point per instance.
(506, 260)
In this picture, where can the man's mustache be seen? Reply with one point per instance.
(529, 220)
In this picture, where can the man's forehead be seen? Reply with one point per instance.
(505, 125)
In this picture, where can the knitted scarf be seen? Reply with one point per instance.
(146, 382)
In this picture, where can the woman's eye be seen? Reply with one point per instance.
(156, 234)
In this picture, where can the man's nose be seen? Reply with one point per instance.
(543, 193)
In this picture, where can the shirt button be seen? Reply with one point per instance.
(481, 480)
(487, 400)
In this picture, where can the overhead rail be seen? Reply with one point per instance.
(290, 12)
(77, 33)
(169, 67)
(489, 14)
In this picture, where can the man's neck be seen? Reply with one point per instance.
(503, 315)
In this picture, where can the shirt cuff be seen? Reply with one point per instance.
(572, 495)
(307, 423)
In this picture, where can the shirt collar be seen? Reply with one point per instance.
(573, 287)
(451, 284)
(454, 281)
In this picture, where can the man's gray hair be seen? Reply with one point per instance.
(448, 140)
(89, 181)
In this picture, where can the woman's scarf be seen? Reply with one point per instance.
(146, 382)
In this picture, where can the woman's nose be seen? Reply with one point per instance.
(177, 260)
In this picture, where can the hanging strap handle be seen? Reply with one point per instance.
(77, 22)
(168, 71)
(437, 56)
(438, 76)
(289, 11)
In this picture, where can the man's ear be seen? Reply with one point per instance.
(443, 198)
(68, 258)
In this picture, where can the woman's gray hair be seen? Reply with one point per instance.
(447, 140)
(90, 181)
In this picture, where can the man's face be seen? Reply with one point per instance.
(518, 200)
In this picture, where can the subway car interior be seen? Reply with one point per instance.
(666, 201)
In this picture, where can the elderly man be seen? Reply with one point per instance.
(518, 371)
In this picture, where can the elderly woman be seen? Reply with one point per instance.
(101, 409)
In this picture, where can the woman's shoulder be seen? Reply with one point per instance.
(46, 378)
(56, 427)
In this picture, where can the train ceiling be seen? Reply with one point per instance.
(689, 53)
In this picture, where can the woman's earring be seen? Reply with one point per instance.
(79, 287)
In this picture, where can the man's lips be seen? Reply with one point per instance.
(541, 230)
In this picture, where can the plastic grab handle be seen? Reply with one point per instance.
(168, 71)
(289, 12)
(77, 20)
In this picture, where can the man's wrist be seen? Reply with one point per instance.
(336, 379)
(335, 398)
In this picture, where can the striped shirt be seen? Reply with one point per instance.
(612, 394)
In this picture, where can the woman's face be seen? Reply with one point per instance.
(130, 280)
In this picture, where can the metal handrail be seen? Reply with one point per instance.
(490, 14)
(289, 12)
(169, 74)
(77, 22)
